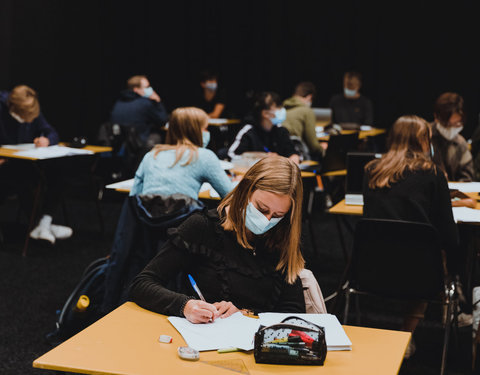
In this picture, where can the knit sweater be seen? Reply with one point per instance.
(156, 175)
(222, 268)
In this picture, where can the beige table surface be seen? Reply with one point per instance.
(10, 153)
(361, 134)
(126, 342)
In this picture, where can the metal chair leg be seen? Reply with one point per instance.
(347, 305)
(448, 323)
(357, 309)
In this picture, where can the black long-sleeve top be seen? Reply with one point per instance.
(222, 269)
(420, 196)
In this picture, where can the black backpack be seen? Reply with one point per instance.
(70, 319)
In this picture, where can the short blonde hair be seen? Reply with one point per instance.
(277, 175)
(184, 133)
(23, 101)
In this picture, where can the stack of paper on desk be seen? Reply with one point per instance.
(20, 146)
(335, 336)
(466, 215)
(236, 331)
(465, 187)
(52, 152)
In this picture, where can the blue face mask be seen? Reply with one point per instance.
(205, 138)
(431, 151)
(211, 86)
(147, 92)
(256, 222)
(349, 93)
(280, 116)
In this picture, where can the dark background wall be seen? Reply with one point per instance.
(77, 55)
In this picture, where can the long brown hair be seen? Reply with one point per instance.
(277, 175)
(407, 140)
(184, 133)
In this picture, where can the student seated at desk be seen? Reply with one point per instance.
(22, 122)
(244, 255)
(211, 99)
(183, 163)
(263, 131)
(406, 185)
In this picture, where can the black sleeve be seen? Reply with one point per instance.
(291, 298)
(149, 288)
(444, 223)
(286, 147)
(158, 114)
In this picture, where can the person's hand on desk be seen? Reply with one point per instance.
(2, 161)
(225, 309)
(41, 142)
(197, 311)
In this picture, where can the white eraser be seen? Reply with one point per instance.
(165, 338)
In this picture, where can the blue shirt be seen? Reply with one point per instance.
(155, 175)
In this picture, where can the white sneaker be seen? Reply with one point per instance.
(43, 233)
(61, 232)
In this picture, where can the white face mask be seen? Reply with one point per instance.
(17, 117)
(449, 133)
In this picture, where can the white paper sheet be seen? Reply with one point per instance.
(53, 152)
(217, 121)
(20, 146)
(237, 331)
(335, 336)
(124, 185)
(466, 187)
(466, 215)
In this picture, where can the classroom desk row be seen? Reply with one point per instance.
(126, 342)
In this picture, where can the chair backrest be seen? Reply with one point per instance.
(338, 147)
(397, 259)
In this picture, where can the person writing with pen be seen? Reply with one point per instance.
(263, 131)
(243, 255)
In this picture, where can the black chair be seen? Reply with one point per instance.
(401, 260)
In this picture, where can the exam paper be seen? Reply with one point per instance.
(335, 336)
(206, 187)
(465, 187)
(53, 152)
(20, 146)
(466, 215)
(124, 185)
(237, 331)
(217, 121)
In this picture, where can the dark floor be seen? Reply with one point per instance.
(33, 288)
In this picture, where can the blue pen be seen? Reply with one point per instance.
(265, 148)
(195, 287)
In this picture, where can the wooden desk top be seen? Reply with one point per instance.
(361, 134)
(347, 209)
(229, 121)
(10, 153)
(126, 342)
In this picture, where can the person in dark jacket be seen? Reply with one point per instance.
(140, 107)
(22, 122)
(263, 131)
(244, 255)
(210, 98)
(351, 106)
(406, 185)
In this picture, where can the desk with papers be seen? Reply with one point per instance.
(126, 342)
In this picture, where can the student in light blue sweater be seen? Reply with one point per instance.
(182, 164)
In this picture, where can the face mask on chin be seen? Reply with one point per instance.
(256, 222)
(449, 133)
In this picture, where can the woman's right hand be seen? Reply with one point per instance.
(197, 311)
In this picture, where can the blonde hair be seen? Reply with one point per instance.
(277, 175)
(23, 101)
(407, 140)
(184, 133)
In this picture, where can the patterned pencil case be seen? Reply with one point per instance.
(294, 341)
